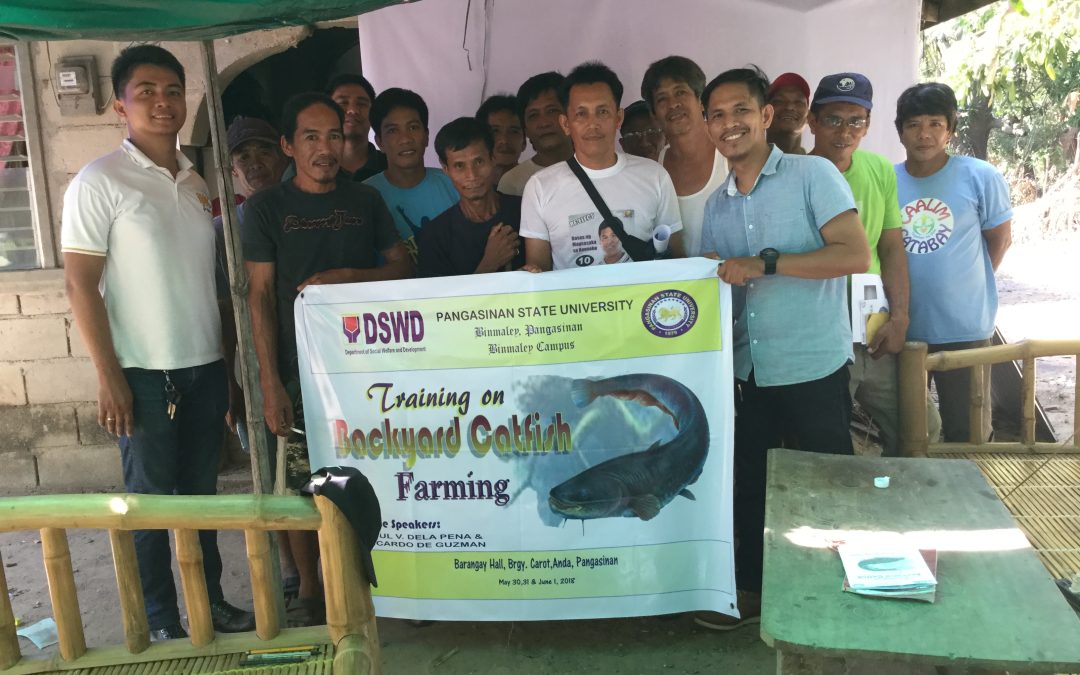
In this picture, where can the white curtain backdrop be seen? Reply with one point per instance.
(456, 52)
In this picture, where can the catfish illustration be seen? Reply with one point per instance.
(638, 484)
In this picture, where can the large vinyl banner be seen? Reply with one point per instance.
(543, 446)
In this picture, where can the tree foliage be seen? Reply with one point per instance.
(1015, 67)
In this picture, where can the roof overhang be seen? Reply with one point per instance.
(939, 11)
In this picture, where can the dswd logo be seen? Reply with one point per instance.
(384, 327)
(350, 325)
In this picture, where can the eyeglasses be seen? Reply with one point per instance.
(648, 134)
(853, 123)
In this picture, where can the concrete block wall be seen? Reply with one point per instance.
(49, 436)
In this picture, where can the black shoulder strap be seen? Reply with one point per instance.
(637, 249)
(587, 183)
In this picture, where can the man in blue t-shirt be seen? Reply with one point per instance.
(957, 223)
(414, 192)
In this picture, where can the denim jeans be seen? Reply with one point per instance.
(174, 456)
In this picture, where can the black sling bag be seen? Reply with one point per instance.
(637, 249)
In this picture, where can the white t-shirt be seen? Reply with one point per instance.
(692, 207)
(157, 238)
(556, 209)
(513, 181)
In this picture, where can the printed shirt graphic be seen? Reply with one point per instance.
(412, 208)
(555, 208)
(928, 224)
(953, 292)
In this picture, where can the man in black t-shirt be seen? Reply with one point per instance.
(311, 229)
(479, 234)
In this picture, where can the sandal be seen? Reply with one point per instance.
(301, 612)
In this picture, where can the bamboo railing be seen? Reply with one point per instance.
(915, 363)
(349, 610)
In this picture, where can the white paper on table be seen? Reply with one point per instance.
(867, 296)
(880, 564)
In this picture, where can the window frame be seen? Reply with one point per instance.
(44, 238)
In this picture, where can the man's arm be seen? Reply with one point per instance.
(277, 407)
(500, 250)
(845, 252)
(998, 240)
(82, 275)
(398, 266)
(894, 276)
(676, 248)
(537, 255)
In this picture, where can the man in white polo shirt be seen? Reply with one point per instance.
(559, 220)
(138, 248)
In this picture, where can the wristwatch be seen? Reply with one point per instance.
(769, 255)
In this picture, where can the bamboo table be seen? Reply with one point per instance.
(996, 605)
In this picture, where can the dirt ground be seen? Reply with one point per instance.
(1040, 298)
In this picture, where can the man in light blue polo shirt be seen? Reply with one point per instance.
(787, 233)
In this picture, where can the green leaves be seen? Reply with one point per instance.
(1017, 61)
(1018, 6)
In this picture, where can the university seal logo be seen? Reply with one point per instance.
(669, 313)
(928, 225)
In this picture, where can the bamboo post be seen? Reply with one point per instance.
(349, 610)
(245, 347)
(132, 607)
(65, 601)
(249, 367)
(1027, 402)
(975, 410)
(267, 620)
(193, 580)
(351, 656)
(914, 436)
(9, 641)
(1076, 392)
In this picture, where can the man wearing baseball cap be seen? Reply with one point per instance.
(255, 154)
(789, 95)
(839, 118)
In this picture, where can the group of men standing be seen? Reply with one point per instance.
(324, 205)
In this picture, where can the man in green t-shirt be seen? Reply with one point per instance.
(839, 118)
